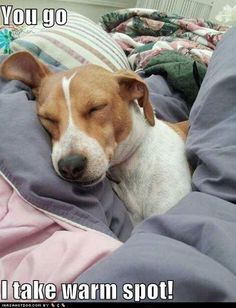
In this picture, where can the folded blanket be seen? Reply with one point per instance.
(177, 48)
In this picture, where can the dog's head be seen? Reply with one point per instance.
(85, 110)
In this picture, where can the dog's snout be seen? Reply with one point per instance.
(72, 167)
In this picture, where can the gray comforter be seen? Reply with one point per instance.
(194, 244)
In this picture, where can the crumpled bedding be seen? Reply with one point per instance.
(37, 246)
(177, 48)
(192, 245)
(39, 210)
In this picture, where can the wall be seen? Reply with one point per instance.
(90, 8)
(218, 6)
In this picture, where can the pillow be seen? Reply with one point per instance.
(80, 41)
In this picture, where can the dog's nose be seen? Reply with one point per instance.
(72, 167)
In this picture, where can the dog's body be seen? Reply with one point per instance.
(150, 168)
(96, 124)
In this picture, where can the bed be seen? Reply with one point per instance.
(57, 232)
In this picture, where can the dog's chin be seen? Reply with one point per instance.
(85, 182)
(92, 181)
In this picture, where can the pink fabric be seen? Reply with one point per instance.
(35, 246)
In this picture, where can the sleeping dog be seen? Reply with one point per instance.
(102, 123)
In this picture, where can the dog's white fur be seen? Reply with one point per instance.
(152, 168)
(147, 164)
(75, 140)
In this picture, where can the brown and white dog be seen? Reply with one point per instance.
(100, 121)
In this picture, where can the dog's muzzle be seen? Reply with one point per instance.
(72, 167)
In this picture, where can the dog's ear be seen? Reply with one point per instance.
(133, 87)
(25, 67)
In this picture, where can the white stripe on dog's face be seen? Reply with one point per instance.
(66, 91)
(75, 141)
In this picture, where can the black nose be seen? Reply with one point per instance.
(72, 167)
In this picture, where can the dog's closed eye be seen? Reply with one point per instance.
(51, 125)
(96, 108)
(47, 120)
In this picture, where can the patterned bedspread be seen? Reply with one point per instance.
(169, 45)
(177, 48)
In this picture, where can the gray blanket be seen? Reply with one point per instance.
(194, 244)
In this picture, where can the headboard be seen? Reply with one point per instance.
(186, 8)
